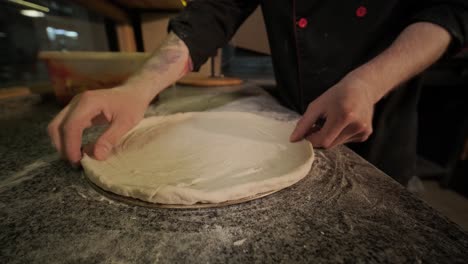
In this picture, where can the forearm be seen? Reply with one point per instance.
(415, 49)
(169, 62)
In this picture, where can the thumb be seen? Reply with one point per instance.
(109, 139)
(305, 123)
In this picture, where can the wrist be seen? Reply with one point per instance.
(370, 82)
(141, 91)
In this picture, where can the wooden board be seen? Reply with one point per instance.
(152, 4)
(105, 8)
(14, 92)
(209, 81)
(126, 37)
(138, 202)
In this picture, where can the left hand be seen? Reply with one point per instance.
(347, 109)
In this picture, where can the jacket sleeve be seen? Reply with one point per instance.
(449, 14)
(206, 25)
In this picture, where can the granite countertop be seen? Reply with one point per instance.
(345, 210)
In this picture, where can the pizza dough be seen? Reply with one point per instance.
(209, 157)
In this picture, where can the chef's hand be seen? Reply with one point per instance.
(121, 107)
(342, 114)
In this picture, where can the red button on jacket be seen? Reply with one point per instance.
(361, 11)
(302, 23)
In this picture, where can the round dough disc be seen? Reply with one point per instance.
(208, 157)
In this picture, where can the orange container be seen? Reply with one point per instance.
(74, 72)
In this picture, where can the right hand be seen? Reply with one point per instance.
(121, 107)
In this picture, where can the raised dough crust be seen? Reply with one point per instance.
(202, 157)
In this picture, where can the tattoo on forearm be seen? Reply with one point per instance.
(164, 61)
(168, 54)
(187, 68)
(173, 40)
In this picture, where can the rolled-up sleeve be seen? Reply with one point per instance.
(206, 25)
(452, 15)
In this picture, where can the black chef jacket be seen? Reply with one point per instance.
(316, 43)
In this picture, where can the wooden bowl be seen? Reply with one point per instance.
(74, 72)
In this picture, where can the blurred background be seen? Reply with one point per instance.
(28, 28)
